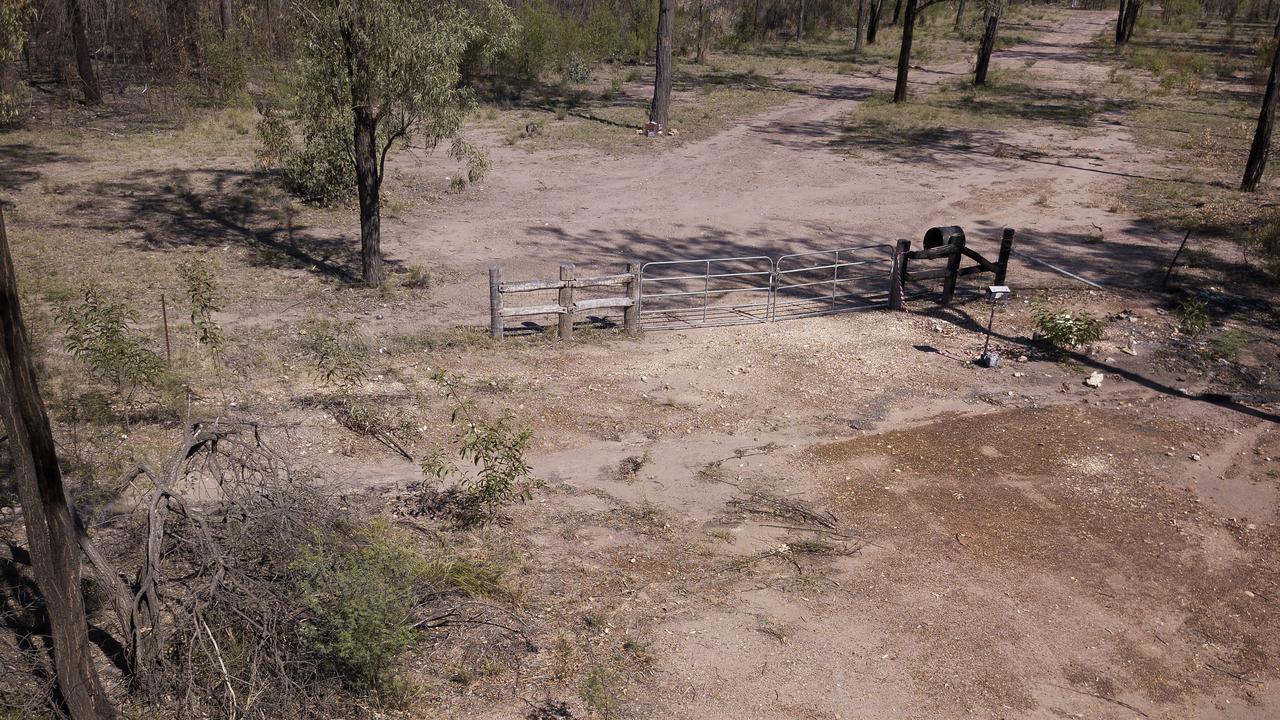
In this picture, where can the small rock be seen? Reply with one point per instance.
(1249, 593)
(1195, 456)
(1022, 358)
(1094, 380)
(1018, 374)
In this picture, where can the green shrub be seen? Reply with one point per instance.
(98, 333)
(1228, 344)
(202, 298)
(366, 600)
(1192, 316)
(495, 449)
(337, 353)
(1065, 329)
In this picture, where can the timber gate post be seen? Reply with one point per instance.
(1002, 263)
(953, 269)
(898, 274)
(631, 315)
(495, 302)
(565, 300)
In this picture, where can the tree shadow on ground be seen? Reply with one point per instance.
(215, 208)
(18, 163)
(960, 316)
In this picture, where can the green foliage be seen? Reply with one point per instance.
(1064, 329)
(1264, 244)
(364, 603)
(202, 297)
(1192, 316)
(1227, 345)
(408, 71)
(98, 334)
(336, 351)
(14, 15)
(495, 449)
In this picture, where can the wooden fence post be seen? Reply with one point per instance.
(631, 315)
(953, 269)
(566, 301)
(898, 273)
(495, 302)
(1006, 248)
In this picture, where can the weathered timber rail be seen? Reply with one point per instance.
(713, 292)
(566, 307)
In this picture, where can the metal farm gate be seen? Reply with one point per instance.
(705, 293)
(711, 292)
(830, 281)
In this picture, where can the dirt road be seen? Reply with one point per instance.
(786, 182)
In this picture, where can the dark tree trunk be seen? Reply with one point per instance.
(988, 44)
(873, 21)
(1262, 135)
(51, 530)
(659, 110)
(1131, 19)
(858, 29)
(226, 17)
(84, 62)
(369, 186)
(959, 13)
(904, 55)
(365, 145)
(897, 12)
(1120, 20)
(700, 51)
(800, 25)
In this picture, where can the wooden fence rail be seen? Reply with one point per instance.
(565, 307)
(954, 250)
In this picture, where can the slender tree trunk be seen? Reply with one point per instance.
(84, 61)
(365, 144)
(873, 22)
(800, 25)
(897, 12)
(51, 536)
(959, 13)
(1120, 20)
(755, 21)
(988, 42)
(904, 55)
(226, 17)
(368, 186)
(700, 51)
(1131, 19)
(1262, 135)
(660, 109)
(858, 29)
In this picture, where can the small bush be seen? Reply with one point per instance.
(98, 333)
(366, 602)
(1228, 344)
(1065, 329)
(202, 297)
(336, 352)
(496, 451)
(1192, 316)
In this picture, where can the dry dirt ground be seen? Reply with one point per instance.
(835, 517)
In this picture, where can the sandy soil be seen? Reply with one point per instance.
(835, 517)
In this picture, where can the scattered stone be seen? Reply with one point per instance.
(1018, 374)
(1022, 358)
(1094, 380)
(1195, 456)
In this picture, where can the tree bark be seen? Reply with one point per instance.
(897, 12)
(700, 51)
(84, 61)
(1120, 18)
(660, 108)
(873, 21)
(1262, 135)
(858, 29)
(226, 17)
(904, 55)
(51, 534)
(365, 144)
(800, 25)
(988, 44)
(1131, 19)
(959, 13)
